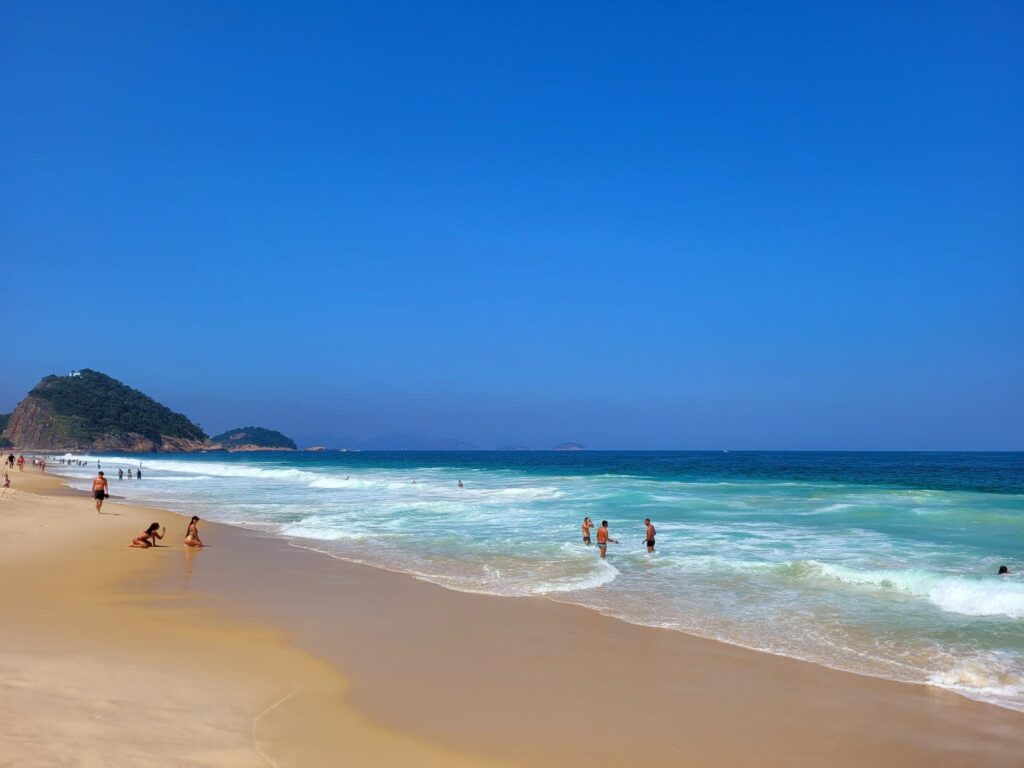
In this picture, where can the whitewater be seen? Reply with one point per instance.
(880, 564)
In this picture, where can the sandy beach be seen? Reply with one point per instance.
(254, 652)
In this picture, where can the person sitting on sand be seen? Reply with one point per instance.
(1004, 571)
(192, 536)
(587, 525)
(99, 490)
(7, 480)
(602, 538)
(145, 540)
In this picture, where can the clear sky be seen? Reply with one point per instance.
(635, 225)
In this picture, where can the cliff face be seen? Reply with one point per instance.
(91, 411)
(35, 426)
(32, 425)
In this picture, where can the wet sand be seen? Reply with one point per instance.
(267, 649)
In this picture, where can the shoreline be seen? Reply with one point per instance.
(453, 670)
(100, 669)
(317, 546)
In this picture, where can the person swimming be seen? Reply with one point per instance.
(461, 485)
(1004, 571)
(192, 535)
(147, 538)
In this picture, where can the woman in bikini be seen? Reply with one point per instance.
(192, 536)
(147, 538)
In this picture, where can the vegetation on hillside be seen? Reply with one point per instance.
(257, 436)
(4, 418)
(91, 404)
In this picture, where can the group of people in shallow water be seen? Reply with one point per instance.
(151, 535)
(154, 532)
(73, 462)
(603, 536)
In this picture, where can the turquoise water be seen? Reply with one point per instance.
(882, 564)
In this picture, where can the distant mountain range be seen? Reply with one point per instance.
(394, 441)
(399, 441)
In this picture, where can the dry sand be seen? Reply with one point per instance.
(98, 670)
(256, 653)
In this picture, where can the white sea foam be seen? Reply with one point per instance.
(735, 560)
(603, 573)
(993, 596)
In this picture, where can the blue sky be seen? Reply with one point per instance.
(743, 225)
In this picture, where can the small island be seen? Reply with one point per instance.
(254, 439)
(569, 447)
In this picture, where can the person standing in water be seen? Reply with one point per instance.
(603, 538)
(120, 473)
(192, 535)
(587, 525)
(138, 474)
(99, 490)
(650, 534)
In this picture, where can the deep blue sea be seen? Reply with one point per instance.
(878, 563)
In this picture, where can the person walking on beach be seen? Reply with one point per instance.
(603, 539)
(148, 537)
(21, 463)
(99, 490)
(192, 535)
(587, 525)
(650, 534)
(10, 460)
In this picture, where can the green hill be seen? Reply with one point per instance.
(89, 409)
(254, 438)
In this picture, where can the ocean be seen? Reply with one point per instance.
(882, 564)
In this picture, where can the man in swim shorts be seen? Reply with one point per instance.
(650, 534)
(587, 525)
(603, 539)
(99, 490)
